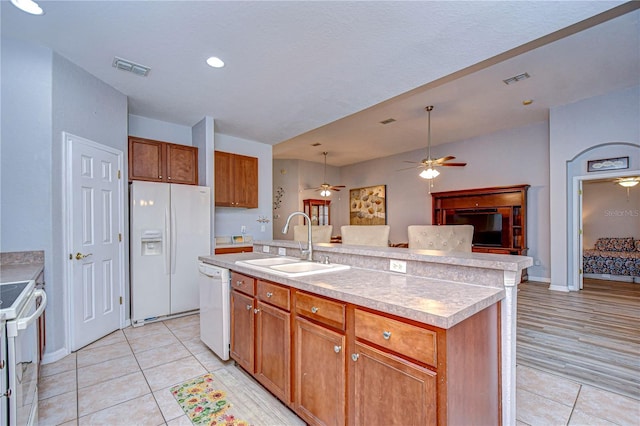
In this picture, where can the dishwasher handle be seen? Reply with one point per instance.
(209, 271)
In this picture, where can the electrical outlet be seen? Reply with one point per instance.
(398, 266)
(263, 228)
(265, 249)
(282, 251)
(243, 229)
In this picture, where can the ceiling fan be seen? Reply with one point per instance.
(428, 164)
(325, 189)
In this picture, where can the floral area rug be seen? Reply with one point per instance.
(204, 404)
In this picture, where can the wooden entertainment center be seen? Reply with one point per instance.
(499, 216)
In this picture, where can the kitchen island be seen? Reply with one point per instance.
(439, 338)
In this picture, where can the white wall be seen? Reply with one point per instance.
(608, 212)
(158, 130)
(509, 157)
(43, 95)
(229, 220)
(299, 179)
(600, 127)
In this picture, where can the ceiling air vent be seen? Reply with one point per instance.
(388, 121)
(125, 65)
(517, 78)
(316, 144)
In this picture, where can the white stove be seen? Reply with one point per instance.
(13, 296)
(18, 305)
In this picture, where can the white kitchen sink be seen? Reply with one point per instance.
(270, 261)
(290, 266)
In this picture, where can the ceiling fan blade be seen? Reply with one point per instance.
(338, 186)
(453, 164)
(443, 159)
(410, 168)
(411, 162)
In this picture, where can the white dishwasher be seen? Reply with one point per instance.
(215, 318)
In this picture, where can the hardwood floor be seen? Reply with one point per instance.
(591, 336)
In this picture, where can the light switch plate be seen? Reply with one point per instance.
(265, 249)
(398, 266)
(282, 251)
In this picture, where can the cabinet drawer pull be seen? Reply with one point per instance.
(249, 307)
(314, 309)
(269, 294)
(355, 356)
(386, 335)
(255, 311)
(337, 349)
(239, 283)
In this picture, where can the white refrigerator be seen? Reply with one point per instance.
(169, 228)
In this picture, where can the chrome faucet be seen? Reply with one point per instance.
(309, 251)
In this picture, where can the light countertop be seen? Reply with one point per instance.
(437, 302)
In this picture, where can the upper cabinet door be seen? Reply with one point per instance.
(182, 164)
(158, 161)
(246, 181)
(146, 160)
(236, 180)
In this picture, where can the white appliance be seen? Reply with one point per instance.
(170, 228)
(215, 316)
(22, 356)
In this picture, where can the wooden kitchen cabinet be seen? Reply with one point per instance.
(236, 180)
(273, 339)
(242, 330)
(320, 376)
(260, 332)
(357, 366)
(158, 161)
(389, 390)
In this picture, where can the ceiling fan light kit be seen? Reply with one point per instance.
(428, 164)
(325, 189)
(628, 182)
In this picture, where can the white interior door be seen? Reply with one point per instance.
(95, 213)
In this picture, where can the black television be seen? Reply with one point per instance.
(487, 226)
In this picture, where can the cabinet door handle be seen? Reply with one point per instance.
(239, 283)
(269, 294)
(255, 311)
(314, 309)
(337, 349)
(249, 307)
(386, 335)
(160, 177)
(355, 356)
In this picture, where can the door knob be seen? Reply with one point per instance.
(80, 256)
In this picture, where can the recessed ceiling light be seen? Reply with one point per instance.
(215, 62)
(527, 102)
(28, 6)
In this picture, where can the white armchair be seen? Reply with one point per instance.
(365, 235)
(441, 237)
(319, 233)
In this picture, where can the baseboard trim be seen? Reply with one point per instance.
(559, 288)
(540, 279)
(50, 357)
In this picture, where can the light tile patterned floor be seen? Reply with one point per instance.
(124, 379)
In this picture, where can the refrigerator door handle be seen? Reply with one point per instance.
(167, 254)
(174, 239)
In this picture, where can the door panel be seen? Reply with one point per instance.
(95, 208)
(190, 238)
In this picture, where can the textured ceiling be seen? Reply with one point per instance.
(294, 67)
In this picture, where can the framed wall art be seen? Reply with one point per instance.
(368, 206)
(608, 164)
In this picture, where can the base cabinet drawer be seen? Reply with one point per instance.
(405, 339)
(391, 391)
